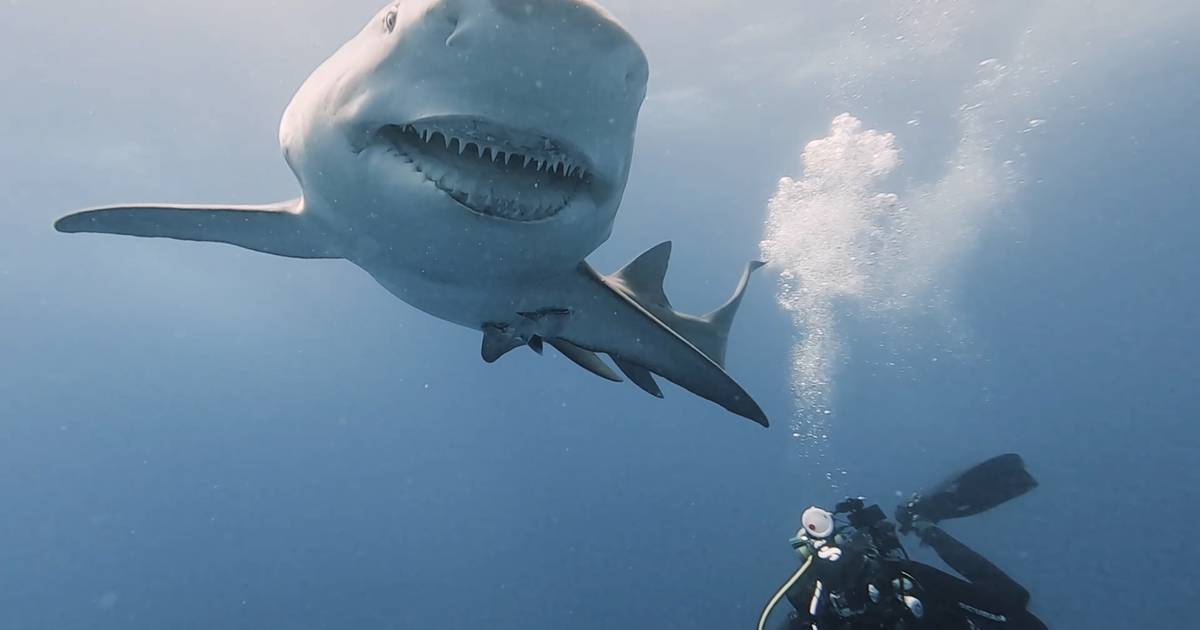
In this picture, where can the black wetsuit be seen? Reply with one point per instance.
(987, 599)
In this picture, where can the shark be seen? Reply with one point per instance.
(469, 155)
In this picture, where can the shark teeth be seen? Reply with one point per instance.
(545, 153)
(491, 170)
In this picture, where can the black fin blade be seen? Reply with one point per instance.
(640, 376)
(978, 489)
(535, 344)
(585, 359)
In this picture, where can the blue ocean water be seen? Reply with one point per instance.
(197, 436)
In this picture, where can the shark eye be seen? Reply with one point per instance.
(389, 21)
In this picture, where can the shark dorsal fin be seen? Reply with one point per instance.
(643, 277)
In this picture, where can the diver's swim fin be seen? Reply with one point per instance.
(978, 489)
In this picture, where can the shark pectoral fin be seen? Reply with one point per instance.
(696, 373)
(585, 359)
(278, 228)
(640, 376)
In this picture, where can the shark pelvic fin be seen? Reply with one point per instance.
(585, 359)
(640, 376)
(497, 343)
(277, 228)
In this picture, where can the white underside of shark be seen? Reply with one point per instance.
(469, 154)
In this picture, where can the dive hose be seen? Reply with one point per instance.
(762, 621)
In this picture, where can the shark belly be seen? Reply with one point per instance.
(472, 305)
(583, 313)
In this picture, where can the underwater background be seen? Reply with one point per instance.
(989, 247)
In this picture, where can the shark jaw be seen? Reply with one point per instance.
(490, 168)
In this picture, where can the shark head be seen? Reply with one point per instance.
(495, 134)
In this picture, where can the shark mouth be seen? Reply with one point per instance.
(492, 169)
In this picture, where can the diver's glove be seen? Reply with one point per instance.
(906, 514)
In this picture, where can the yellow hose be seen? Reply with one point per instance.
(762, 621)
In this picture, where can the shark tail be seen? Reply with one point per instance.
(645, 335)
(642, 281)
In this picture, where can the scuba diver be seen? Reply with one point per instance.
(856, 575)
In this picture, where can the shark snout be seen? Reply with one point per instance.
(589, 27)
(565, 70)
(576, 16)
